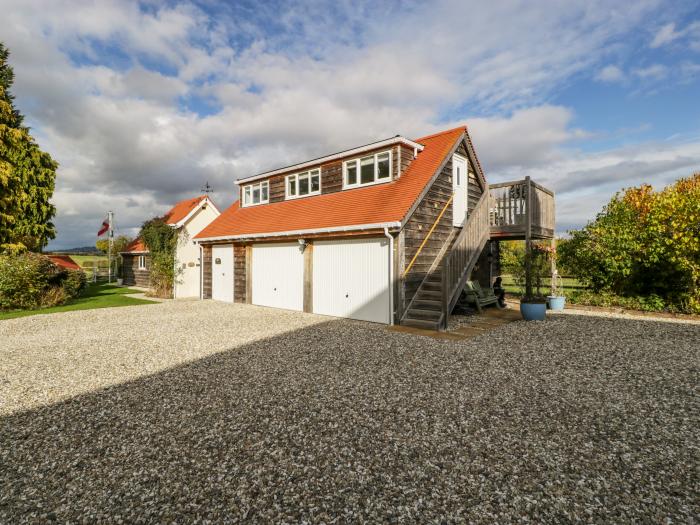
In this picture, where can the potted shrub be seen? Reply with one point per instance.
(533, 303)
(557, 300)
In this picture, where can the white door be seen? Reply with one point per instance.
(278, 275)
(222, 273)
(460, 181)
(351, 279)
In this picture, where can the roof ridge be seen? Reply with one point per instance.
(445, 132)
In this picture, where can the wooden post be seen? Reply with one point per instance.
(445, 297)
(528, 238)
(249, 274)
(309, 277)
(553, 267)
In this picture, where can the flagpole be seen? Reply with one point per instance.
(109, 249)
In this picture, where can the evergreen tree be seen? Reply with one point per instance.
(27, 177)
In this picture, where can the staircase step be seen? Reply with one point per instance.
(430, 295)
(421, 323)
(431, 286)
(427, 304)
(419, 313)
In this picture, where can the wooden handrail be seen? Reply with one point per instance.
(432, 228)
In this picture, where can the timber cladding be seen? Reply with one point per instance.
(240, 292)
(420, 223)
(206, 271)
(132, 274)
(332, 172)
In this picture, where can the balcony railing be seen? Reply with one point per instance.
(521, 206)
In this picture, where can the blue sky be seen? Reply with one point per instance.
(141, 103)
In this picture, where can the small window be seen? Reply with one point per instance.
(372, 169)
(351, 173)
(142, 262)
(256, 193)
(303, 184)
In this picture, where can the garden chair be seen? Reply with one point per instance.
(474, 294)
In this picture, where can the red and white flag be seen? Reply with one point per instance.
(104, 228)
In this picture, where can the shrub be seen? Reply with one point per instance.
(644, 244)
(74, 283)
(30, 280)
(23, 280)
(53, 296)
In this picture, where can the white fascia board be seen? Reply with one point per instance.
(336, 229)
(347, 153)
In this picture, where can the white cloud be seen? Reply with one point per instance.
(127, 136)
(610, 74)
(665, 35)
(653, 72)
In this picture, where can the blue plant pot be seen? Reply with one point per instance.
(556, 302)
(533, 311)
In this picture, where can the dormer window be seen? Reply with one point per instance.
(303, 184)
(372, 169)
(256, 193)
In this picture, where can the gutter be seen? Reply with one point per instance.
(391, 275)
(334, 229)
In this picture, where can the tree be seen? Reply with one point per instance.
(27, 177)
(118, 246)
(643, 243)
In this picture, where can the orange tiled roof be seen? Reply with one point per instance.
(136, 246)
(182, 209)
(65, 261)
(379, 204)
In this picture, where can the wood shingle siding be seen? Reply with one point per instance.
(332, 172)
(206, 271)
(419, 225)
(132, 275)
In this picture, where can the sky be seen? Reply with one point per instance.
(141, 103)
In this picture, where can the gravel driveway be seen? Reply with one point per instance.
(196, 411)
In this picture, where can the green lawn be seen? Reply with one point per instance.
(570, 285)
(96, 296)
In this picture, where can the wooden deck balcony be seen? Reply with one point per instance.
(521, 207)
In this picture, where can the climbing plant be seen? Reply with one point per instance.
(161, 240)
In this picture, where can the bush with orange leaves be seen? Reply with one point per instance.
(643, 243)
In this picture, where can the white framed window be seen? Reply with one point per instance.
(371, 169)
(142, 262)
(303, 184)
(258, 193)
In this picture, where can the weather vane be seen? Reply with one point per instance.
(207, 188)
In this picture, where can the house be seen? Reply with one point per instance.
(386, 232)
(64, 261)
(189, 217)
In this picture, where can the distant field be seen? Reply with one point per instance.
(87, 260)
(569, 283)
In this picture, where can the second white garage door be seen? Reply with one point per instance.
(351, 279)
(278, 276)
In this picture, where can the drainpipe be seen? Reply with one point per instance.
(201, 272)
(391, 274)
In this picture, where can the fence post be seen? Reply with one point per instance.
(528, 239)
(445, 295)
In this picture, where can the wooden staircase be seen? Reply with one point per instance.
(439, 291)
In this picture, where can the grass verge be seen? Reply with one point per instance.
(96, 296)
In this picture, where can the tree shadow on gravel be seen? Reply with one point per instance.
(349, 422)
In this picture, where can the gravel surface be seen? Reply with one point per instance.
(204, 412)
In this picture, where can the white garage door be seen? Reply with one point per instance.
(278, 276)
(222, 273)
(351, 279)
